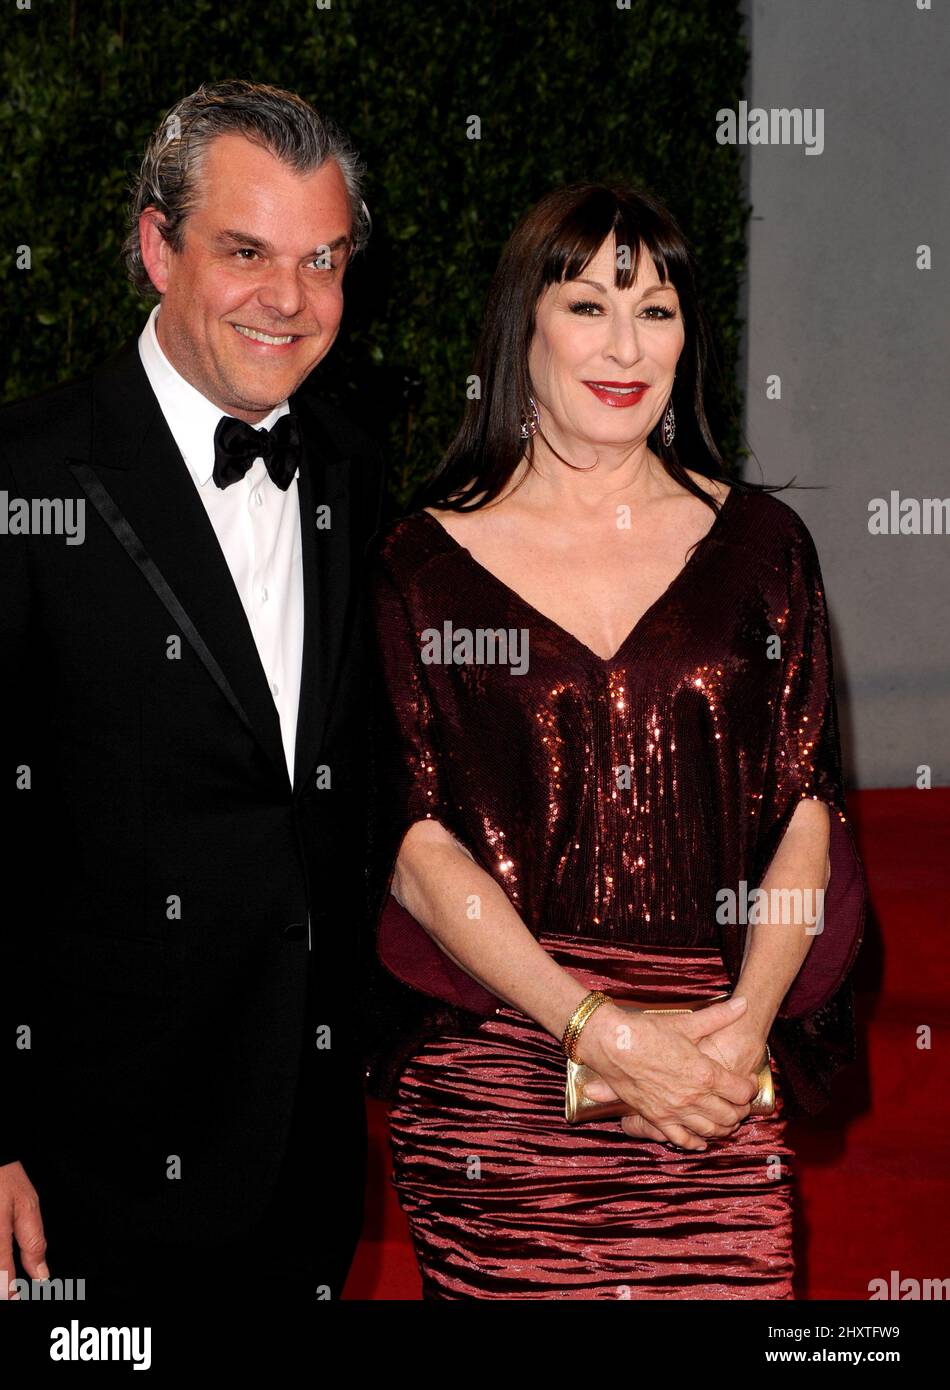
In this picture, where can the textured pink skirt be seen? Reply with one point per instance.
(505, 1200)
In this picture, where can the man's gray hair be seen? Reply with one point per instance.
(280, 121)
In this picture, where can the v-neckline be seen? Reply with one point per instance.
(603, 661)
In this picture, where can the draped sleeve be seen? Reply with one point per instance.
(813, 1034)
(805, 761)
(408, 784)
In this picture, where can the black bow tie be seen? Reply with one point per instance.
(237, 444)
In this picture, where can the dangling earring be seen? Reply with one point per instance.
(668, 426)
(533, 423)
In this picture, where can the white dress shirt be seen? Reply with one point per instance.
(257, 526)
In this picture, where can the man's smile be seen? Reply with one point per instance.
(257, 335)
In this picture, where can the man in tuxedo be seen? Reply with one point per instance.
(184, 730)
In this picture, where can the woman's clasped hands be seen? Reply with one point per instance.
(688, 1077)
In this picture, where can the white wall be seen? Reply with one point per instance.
(836, 307)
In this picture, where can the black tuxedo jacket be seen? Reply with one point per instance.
(181, 922)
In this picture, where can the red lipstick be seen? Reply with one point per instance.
(618, 394)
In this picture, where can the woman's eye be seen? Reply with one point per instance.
(589, 307)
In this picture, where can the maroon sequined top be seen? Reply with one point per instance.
(612, 799)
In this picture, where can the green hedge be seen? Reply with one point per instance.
(565, 90)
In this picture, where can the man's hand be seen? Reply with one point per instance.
(20, 1220)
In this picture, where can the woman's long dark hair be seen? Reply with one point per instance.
(555, 241)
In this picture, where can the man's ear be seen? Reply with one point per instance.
(156, 252)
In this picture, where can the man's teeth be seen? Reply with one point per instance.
(256, 337)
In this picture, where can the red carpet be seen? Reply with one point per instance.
(872, 1171)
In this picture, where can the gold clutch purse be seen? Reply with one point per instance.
(577, 1106)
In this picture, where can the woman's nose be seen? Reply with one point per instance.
(624, 343)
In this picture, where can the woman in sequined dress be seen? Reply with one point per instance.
(606, 716)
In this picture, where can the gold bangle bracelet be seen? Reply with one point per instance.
(578, 1018)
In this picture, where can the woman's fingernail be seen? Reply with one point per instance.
(43, 1270)
(737, 1002)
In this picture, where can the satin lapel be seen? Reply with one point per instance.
(135, 457)
(326, 519)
